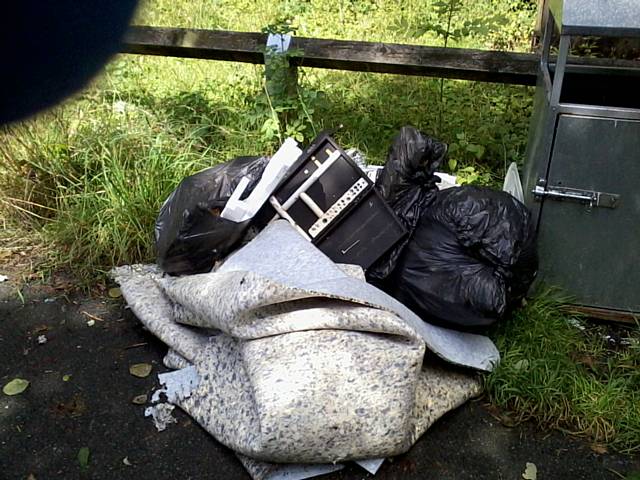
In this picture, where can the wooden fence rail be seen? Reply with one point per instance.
(457, 63)
(466, 64)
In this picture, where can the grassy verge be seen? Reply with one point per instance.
(86, 179)
(90, 175)
(564, 372)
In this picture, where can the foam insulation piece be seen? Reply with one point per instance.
(162, 415)
(300, 367)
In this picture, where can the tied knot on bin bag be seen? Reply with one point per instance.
(408, 184)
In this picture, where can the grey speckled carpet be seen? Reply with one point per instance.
(299, 360)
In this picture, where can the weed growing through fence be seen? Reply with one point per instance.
(284, 108)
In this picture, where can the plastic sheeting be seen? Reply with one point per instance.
(190, 233)
(472, 256)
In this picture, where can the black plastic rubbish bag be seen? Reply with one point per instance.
(190, 234)
(472, 256)
(407, 183)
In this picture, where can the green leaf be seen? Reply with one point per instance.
(114, 292)
(477, 150)
(15, 386)
(140, 370)
(83, 457)
(522, 364)
(530, 472)
(453, 163)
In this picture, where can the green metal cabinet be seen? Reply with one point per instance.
(594, 252)
(582, 172)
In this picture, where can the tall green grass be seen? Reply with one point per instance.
(90, 175)
(564, 372)
(92, 179)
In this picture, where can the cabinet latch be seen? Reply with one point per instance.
(587, 197)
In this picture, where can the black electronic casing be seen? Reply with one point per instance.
(366, 227)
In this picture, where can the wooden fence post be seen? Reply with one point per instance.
(281, 76)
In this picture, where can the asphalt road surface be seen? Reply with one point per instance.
(80, 396)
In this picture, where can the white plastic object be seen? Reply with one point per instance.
(512, 183)
(238, 210)
(279, 42)
(446, 180)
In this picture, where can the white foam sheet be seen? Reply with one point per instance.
(281, 254)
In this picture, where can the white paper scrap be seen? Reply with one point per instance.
(371, 465)
(178, 385)
(280, 43)
(446, 180)
(301, 472)
(161, 414)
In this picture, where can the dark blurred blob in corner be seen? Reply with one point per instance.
(50, 49)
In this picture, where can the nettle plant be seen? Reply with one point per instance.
(284, 108)
(462, 147)
(455, 20)
(452, 21)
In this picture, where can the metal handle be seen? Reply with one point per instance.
(589, 197)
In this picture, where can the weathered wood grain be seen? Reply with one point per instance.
(488, 66)
(456, 63)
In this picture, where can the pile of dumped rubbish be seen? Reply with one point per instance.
(319, 310)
